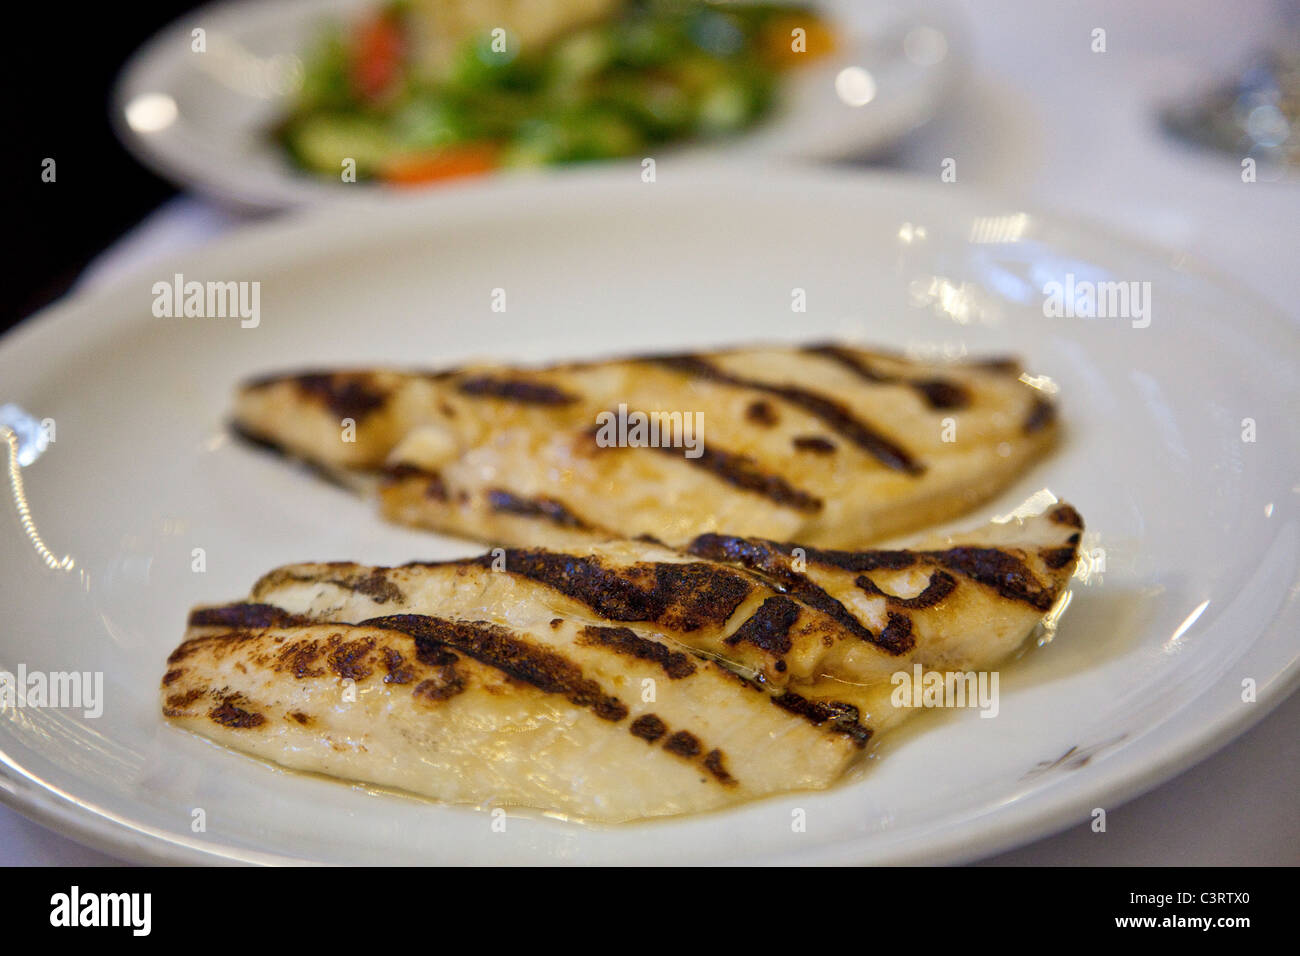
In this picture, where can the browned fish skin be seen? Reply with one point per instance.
(829, 445)
(522, 682)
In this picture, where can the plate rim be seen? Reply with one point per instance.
(1050, 810)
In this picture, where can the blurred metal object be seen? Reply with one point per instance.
(1256, 114)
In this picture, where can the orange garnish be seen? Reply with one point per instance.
(437, 165)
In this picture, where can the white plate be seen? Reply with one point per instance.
(1145, 675)
(222, 101)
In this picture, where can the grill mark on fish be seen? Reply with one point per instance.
(833, 414)
(435, 656)
(346, 394)
(763, 560)
(769, 627)
(841, 717)
(763, 554)
(680, 596)
(175, 704)
(651, 729)
(548, 509)
(374, 585)
(687, 746)
(761, 413)
(683, 744)
(434, 487)
(1057, 558)
(939, 587)
(814, 443)
(743, 472)
(715, 763)
(515, 390)
(497, 647)
(350, 659)
(1066, 515)
(815, 596)
(395, 664)
(446, 683)
(1041, 414)
(299, 658)
(1000, 570)
(859, 561)
(229, 714)
(245, 615)
(648, 727)
(1004, 572)
(939, 393)
(855, 364)
(624, 640)
(897, 636)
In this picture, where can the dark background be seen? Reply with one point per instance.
(59, 70)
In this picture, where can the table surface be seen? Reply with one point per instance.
(1043, 118)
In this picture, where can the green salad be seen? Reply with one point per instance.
(375, 103)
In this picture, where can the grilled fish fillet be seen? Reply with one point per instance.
(826, 445)
(611, 681)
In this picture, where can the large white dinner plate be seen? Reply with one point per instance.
(1198, 527)
(201, 119)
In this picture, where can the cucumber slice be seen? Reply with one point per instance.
(322, 141)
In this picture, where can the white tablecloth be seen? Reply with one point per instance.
(1045, 119)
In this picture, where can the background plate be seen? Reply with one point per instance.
(1199, 527)
(218, 144)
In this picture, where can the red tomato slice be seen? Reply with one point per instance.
(378, 51)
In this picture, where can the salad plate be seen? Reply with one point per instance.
(214, 101)
(1178, 445)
